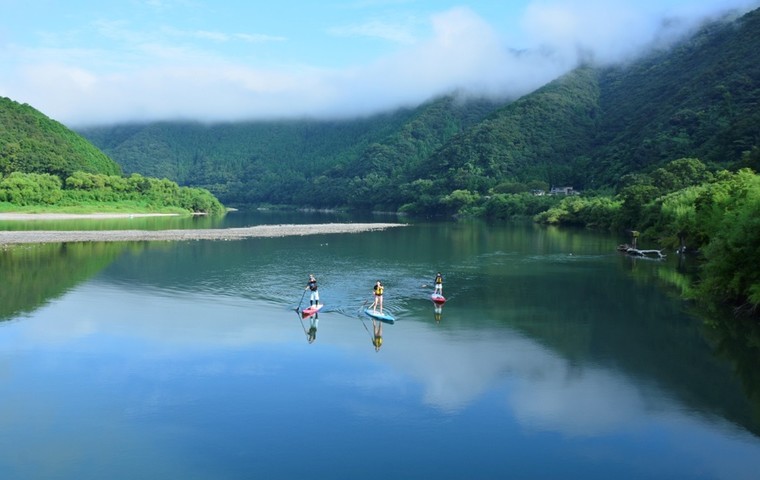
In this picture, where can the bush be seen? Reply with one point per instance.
(30, 188)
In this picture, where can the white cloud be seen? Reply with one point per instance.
(167, 72)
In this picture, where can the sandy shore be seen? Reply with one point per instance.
(52, 236)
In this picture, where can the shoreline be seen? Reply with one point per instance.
(76, 216)
(66, 236)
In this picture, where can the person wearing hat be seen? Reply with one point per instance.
(312, 285)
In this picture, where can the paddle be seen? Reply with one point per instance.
(301, 301)
(372, 337)
(300, 319)
(361, 309)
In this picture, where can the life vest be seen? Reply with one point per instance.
(378, 290)
(312, 285)
(438, 279)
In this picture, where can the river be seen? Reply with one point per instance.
(554, 356)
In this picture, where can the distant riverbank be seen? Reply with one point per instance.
(76, 216)
(50, 236)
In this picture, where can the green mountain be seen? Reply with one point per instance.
(586, 129)
(594, 125)
(698, 100)
(545, 136)
(30, 142)
(280, 161)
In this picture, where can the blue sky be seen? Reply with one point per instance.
(87, 62)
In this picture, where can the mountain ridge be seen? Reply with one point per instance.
(587, 129)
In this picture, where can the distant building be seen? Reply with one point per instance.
(562, 191)
(538, 193)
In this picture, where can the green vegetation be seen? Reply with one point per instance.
(98, 192)
(589, 129)
(31, 142)
(662, 145)
(46, 166)
(683, 206)
(321, 164)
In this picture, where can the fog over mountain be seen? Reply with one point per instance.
(151, 63)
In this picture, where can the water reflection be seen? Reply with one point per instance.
(33, 275)
(377, 334)
(311, 334)
(550, 344)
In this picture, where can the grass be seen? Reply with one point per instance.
(92, 207)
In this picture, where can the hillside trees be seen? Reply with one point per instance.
(83, 188)
(44, 163)
(726, 215)
(588, 129)
(30, 188)
(31, 142)
(714, 214)
(698, 99)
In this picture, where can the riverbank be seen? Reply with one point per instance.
(50, 236)
(77, 216)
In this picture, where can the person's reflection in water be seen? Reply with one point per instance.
(377, 336)
(311, 335)
(437, 313)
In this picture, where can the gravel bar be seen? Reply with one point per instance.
(53, 236)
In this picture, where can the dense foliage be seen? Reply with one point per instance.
(44, 163)
(31, 142)
(298, 162)
(628, 137)
(698, 100)
(97, 189)
(587, 130)
(683, 206)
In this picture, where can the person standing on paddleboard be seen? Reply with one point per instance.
(378, 291)
(312, 285)
(438, 284)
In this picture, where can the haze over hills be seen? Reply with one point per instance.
(634, 130)
(585, 129)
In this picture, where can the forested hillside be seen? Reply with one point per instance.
(43, 164)
(30, 142)
(587, 129)
(700, 100)
(303, 162)
(592, 126)
(545, 136)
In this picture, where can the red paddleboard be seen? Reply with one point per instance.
(438, 298)
(311, 310)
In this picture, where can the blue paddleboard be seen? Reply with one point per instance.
(384, 317)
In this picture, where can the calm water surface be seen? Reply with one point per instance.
(554, 357)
